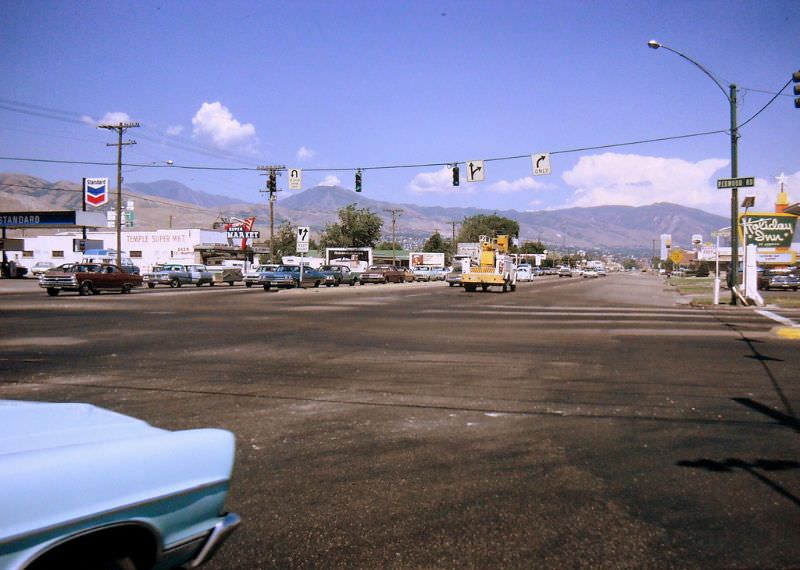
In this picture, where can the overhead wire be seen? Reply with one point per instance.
(33, 109)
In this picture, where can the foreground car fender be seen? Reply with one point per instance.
(74, 474)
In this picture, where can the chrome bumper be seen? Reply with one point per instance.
(221, 531)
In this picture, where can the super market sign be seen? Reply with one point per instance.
(769, 230)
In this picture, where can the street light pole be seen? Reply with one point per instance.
(730, 96)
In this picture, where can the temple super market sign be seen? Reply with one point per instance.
(769, 230)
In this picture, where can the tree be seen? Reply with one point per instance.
(285, 240)
(436, 243)
(486, 225)
(387, 245)
(355, 228)
(532, 247)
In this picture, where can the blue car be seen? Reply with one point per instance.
(286, 276)
(84, 487)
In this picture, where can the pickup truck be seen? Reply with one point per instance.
(177, 275)
(84, 487)
(89, 278)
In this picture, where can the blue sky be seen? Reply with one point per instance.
(346, 84)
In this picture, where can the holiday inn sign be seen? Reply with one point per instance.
(768, 230)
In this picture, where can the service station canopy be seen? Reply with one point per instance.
(52, 219)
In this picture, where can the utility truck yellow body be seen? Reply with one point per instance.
(495, 267)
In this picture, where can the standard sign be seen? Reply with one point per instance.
(95, 191)
(295, 179)
(736, 182)
(302, 240)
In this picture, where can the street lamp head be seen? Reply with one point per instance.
(653, 44)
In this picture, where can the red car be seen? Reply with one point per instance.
(382, 274)
(89, 278)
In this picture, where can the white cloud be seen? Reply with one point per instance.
(331, 180)
(174, 130)
(111, 118)
(214, 122)
(439, 182)
(304, 153)
(635, 180)
(519, 185)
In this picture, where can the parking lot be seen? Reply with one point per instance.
(572, 423)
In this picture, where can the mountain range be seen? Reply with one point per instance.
(167, 203)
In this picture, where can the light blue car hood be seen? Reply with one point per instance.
(29, 426)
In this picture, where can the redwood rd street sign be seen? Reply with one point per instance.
(736, 182)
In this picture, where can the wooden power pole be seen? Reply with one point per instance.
(120, 128)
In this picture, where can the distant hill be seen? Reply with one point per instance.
(171, 204)
(176, 191)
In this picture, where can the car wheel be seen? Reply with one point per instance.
(53, 292)
(230, 283)
(336, 284)
(470, 287)
(174, 283)
(198, 284)
(85, 288)
(126, 288)
(484, 287)
(212, 283)
(316, 284)
(267, 286)
(248, 285)
(151, 285)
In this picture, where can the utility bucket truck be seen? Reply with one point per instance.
(495, 267)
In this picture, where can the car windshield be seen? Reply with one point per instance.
(289, 268)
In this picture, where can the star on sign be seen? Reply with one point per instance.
(782, 179)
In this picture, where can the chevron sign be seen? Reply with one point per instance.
(95, 191)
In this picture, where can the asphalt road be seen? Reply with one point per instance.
(573, 423)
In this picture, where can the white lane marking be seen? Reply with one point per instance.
(778, 318)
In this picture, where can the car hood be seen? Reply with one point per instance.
(31, 426)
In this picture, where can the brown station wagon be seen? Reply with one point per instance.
(86, 278)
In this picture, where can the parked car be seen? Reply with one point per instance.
(408, 275)
(453, 277)
(286, 276)
(422, 273)
(438, 273)
(252, 276)
(382, 274)
(338, 274)
(524, 272)
(84, 487)
(785, 282)
(564, 271)
(39, 268)
(177, 275)
(86, 278)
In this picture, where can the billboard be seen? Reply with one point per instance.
(767, 229)
(353, 257)
(416, 258)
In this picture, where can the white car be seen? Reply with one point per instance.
(524, 273)
(39, 268)
(589, 273)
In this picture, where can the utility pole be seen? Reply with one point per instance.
(273, 171)
(120, 128)
(395, 212)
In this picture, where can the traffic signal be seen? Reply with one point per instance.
(358, 180)
(796, 79)
(273, 181)
(455, 175)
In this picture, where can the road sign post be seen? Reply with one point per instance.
(302, 247)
